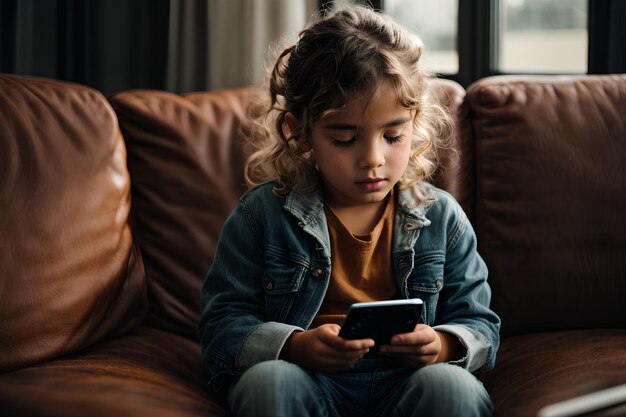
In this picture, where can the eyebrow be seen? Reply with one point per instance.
(346, 126)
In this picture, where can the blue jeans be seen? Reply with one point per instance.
(374, 387)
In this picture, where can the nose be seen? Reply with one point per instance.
(371, 155)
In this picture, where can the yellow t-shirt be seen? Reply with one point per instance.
(362, 268)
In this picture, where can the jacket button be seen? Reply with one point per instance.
(269, 285)
(438, 284)
(317, 273)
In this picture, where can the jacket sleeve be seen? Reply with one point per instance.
(463, 309)
(233, 331)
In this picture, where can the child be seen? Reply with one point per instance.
(341, 212)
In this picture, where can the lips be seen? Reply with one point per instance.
(371, 184)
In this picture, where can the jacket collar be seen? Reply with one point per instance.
(308, 208)
(414, 202)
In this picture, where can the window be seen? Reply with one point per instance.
(542, 36)
(527, 36)
(436, 23)
(470, 39)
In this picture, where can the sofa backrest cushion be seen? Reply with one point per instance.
(455, 172)
(551, 198)
(69, 273)
(185, 156)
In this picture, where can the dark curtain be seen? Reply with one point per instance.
(111, 45)
(188, 46)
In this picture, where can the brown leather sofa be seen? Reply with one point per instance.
(99, 292)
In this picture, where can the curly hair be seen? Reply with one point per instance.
(344, 53)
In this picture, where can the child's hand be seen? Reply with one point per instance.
(423, 346)
(321, 349)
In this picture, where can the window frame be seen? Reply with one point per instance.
(478, 43)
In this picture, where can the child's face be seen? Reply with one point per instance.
(363, 150)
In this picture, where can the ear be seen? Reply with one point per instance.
(292, 122)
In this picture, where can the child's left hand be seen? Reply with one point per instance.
(423, 346)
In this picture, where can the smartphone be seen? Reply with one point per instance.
(379, 320)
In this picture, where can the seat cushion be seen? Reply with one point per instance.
(147, 372)
(70, 274)
(535, 370)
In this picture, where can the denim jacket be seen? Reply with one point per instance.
(272, 268)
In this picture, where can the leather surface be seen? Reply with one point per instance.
(185, 155)
(455, 173)
(551, 198)
(185, 158)
(69, 273)
(539, 369)
(148, 372)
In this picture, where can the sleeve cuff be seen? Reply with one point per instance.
(264, 343)
(476, 346)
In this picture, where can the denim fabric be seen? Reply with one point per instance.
(272, 268)
(374, 387)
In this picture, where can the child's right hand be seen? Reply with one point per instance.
(322, 349)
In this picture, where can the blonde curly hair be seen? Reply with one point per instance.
(346, 52)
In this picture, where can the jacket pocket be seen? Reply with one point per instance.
(284, 272)
(426, 281)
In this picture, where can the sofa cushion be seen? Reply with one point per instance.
(148, 372)
(185, 156)
(539, 369)
(455, 172)
(551, 198)
(69, 273)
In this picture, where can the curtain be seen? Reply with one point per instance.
(108, 44)
(247, 35)
(188, 46)
(173, 45)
